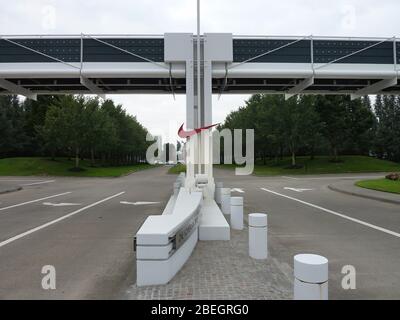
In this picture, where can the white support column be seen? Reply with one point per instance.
(16, 89)
(218, 47)
(207, 150)
(190, 119)
(178, 49)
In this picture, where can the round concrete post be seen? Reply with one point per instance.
(218, 187)
(258, 236)
(237, 213)
(310, 277)
(226, 200)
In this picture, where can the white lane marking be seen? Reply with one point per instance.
(139, 203)
(19, 180)
(237, 190)
(300, 190)
(33, 201)
(336, 214)
(62, 204)
(290, 178)
(17, 237)
(36, 183)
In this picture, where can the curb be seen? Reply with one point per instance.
(356, 194)
(11, 190)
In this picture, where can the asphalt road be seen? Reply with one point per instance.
(348, 230)
(80, 227)
(91, 250)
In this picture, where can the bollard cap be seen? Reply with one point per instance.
(226, 191)
(219, 184)
(237, 201)
(311, 268)
(258, 220)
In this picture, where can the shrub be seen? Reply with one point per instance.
(393, 176)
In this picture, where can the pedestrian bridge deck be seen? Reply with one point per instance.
(135, 64)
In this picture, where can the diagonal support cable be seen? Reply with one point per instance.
(351, 54)
(126, 51)
(268, 52)
(41, 53)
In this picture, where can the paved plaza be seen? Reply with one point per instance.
(223, 270)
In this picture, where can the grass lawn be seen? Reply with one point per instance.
(323, 165)
(384, 185)
(60, 167)
(320, 165)
(177, 169)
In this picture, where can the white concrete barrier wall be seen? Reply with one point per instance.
(258, 236)
(237, 213)
(158, 272)
(165, 242)
(177, 187)
(311, 277)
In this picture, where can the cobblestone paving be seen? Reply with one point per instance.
(220, 270)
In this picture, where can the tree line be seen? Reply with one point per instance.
(320, 125)
(71, 126)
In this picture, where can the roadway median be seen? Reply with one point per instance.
(348, 187)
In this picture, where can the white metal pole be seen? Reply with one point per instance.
(199, 141)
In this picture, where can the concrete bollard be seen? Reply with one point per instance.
(226, 200)
(237, 213)
(258, 236)
(218, 187)
(310, 277)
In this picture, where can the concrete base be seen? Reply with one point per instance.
(213, 225)
(159, 272)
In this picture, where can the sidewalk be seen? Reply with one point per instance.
(219, 270)
(348, 187)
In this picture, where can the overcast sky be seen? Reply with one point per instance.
(161, 113)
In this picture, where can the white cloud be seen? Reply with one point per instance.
(262, 17)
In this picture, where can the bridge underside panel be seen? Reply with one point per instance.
(163, 85)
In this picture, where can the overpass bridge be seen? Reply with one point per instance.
(125, 64)
(198, 66)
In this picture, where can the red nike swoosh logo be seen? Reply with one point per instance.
(186, 134)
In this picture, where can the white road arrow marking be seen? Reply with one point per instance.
(43, 226)
(139, 203)
(60, 204)
(298, 189)
(237, 190)
(290, 178)
(33, 201)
